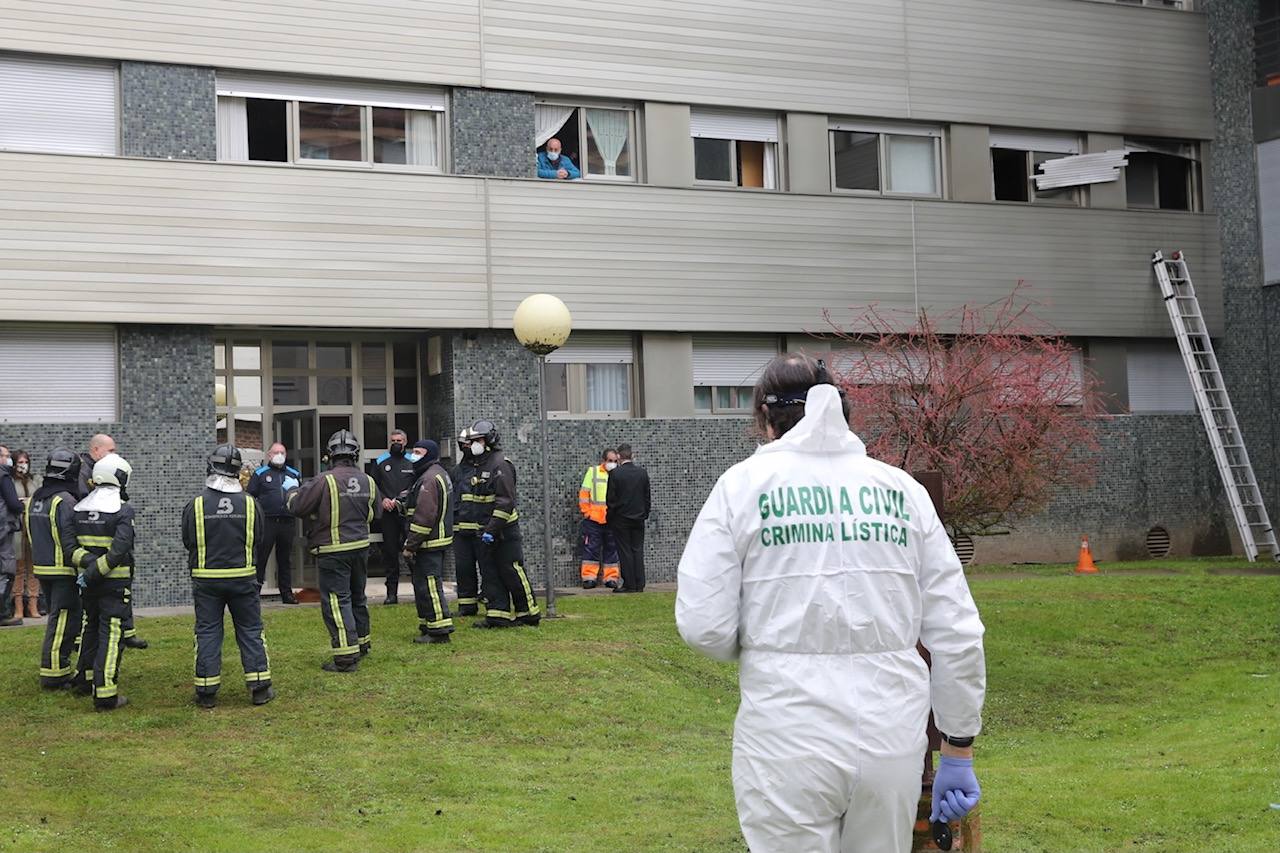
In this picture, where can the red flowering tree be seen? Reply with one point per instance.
(991, 396)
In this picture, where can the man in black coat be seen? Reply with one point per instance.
(627, 501)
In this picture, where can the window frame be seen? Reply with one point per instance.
(1029, 164)
(633, 137)
(883, 133)
(576, 393)
(293, 142)
(737, 391)
(734, 172)
(1195, 182)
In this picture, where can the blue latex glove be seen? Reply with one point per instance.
(290, 484)
(487, 538)
(955, 789)
(82, 581)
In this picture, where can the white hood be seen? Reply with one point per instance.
(101, 499)
(823, 428)
(223, 483)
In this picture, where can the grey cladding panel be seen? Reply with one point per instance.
(648, 258)
(804, 55)
(153, 241)
(405, 40)
(1060, 64)
(1090, 270)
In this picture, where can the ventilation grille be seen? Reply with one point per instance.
(964, 548)
(1158, 544)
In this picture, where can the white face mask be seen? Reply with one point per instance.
(278, 460)
(477, 448)
(413, 458)
(609, 466)
(22, 467)
(553, 156)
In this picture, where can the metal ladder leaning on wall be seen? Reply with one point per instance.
(1238, 479)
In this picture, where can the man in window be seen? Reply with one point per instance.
(556, 166)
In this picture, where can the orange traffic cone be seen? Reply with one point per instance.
(1084, 565)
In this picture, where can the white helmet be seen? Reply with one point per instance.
(112, 470)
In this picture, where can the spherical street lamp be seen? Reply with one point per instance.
(542, 324)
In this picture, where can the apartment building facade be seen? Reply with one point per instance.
(230, 221)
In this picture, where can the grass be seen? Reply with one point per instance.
(1126, 712)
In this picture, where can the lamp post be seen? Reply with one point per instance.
(542, 324)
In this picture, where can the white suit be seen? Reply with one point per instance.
(819, 568)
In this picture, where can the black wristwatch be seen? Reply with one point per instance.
(957, 741)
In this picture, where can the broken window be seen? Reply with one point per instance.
(1162, 175)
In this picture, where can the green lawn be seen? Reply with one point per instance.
(1125, 712)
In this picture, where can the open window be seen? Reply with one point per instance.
(309, 120)
(735, 148)
(598, 141)
(1016, 159)
(1162, 174)
(886, 158)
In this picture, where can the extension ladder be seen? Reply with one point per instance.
(1214, 405)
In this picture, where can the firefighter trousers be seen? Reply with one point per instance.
(240, 596)
(508, 595)
(343, 575)
(106, 606)
(62, 632)
(466, 568)
(428, 593)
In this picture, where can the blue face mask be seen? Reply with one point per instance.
(414, 457)
(553, 156)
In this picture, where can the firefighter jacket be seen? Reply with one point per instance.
(222, 532)
(488, 500)
(104, 536)
(430, 514)
(51, 529)
(591, 497)
(336, 509)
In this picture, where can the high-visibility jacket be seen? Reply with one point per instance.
(105, 542)
(337, 508)
(487, 502)
(591, 497)
(222, 532)
(430, 516)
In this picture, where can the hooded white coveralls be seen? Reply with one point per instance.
(819, 568)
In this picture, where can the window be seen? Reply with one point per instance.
(735, 147)
(1159, 4)
(62, 106)
(592, 375)
(725, 370)
(1269, 208)
(1016, 157)
(77, 374)
(886, 159)
(599, 141)
(1157, 378)
(309, 120)
(1162, 175)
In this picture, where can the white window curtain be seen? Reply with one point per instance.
(610, 128)
(233, 129)
(770, 166)
(608, 389)
(423, 143)
(912, 165)
(547, 120)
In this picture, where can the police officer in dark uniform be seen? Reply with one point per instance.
(222, 530)
(466, 534)
(104, 554)
(338, 507)
(51, 530)
(427, 506)
(489, 501)
(268, 486)
(393, 472)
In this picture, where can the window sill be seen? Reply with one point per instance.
(589, 416)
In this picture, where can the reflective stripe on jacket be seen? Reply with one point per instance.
(221, 532)
(429, 511)
(336, 509)
(51, 530)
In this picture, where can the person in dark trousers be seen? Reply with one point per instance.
(466, 534)
(268, 486)
(427, 506)
(10, 530)
(51, 531)
(222, 530)
(100, 446)
(337, 508)
(104, 555)
(627, 501)
(489, 502)
(393, 472)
